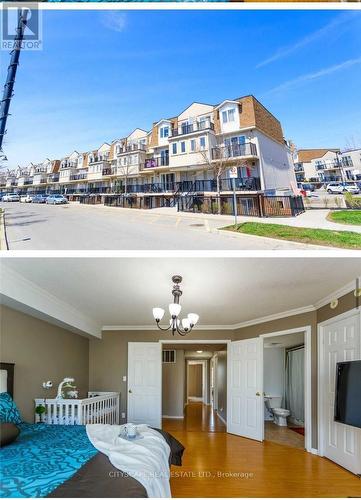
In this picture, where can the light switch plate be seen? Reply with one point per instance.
(124, 378)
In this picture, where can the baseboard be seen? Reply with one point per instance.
(169, 416)
(314, 451)
(219, 416)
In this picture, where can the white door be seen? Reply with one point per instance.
(340, 341)
(245, 388)
(145, 383)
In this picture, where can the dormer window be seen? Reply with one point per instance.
(228, 115)
(164, 132)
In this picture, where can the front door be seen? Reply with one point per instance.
(145, 383)
(341, 341)
(245, 389)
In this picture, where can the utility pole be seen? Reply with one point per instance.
(12, 68)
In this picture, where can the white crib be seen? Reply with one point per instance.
(97, 408)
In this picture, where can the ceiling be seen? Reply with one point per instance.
(121, 292)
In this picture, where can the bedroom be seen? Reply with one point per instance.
(91, 320)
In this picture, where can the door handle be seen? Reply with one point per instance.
(258, 393)
(130, 391)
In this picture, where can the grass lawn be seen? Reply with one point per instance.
(325, 237)
(346, 217)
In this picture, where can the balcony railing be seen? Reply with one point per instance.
(98, 159)
(190, 128)
(53, 178)
(198, 186)
(234, 151)
(332, 165)
(77, 177)
(131, 148)
(157, 161)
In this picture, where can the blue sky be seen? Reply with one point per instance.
(103, 73)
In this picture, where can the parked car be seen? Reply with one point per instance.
(26, 198)
(11, 197)
(40, 198)
(352, 188)
(335, 188)
(307, 186)
(56, 199)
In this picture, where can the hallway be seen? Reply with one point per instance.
(198, 417)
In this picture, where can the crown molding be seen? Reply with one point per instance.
(23, 295)
(350, 287)
(264, 319)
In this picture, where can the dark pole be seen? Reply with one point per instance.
(10, 79)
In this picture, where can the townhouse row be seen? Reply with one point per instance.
(182, 154)
(327, 165)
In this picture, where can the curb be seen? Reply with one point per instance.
(3, 240)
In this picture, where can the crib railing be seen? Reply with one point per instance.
(97, 408)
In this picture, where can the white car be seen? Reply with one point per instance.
(11, 197)
(26, 198)
(335, 188)
(351, 188)
(56, 199)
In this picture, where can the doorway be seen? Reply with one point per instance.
(191, 382)
(287, 388)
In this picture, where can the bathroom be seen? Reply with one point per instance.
(284, 389)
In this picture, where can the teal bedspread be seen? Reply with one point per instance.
(42, 458)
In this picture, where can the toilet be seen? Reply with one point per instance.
(273, 405)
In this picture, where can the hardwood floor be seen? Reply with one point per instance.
(217, 464)
(283, 435)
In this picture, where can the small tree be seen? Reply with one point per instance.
(218, 162)
(124, 171)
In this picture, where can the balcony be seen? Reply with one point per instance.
(191, 128)
(198, 186)
(299, 168)
(156, 161)
(78, 177)
(131, 148)
(53, 178)
(237, 150)
(330, 165)
(99, 159)
(27, 182)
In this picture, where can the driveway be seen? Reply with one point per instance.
(85, 227)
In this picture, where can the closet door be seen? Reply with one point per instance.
(340, 340)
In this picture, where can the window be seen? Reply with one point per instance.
(183, 147)
(174, 148)
(168, 356)
(164, 132)
(228, 115)
(202, 142)
(193, 145)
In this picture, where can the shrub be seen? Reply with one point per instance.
(352, 201)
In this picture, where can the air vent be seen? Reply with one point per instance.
(169, 356)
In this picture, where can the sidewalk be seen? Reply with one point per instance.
(315, 219)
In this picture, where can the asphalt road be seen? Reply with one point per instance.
(82, 227)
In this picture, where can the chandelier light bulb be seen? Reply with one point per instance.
(193, 318)
(158, 313)
(174, 309)
(185, 323)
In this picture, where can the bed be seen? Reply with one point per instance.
(60, 461)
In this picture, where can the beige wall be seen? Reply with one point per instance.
(345, 303)
(41, 352)
(108, 357)
(173, 381)
(195, 380)
(222, 383)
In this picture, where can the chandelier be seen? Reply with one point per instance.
(175, 325)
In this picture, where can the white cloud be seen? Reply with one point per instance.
(314, 76)
(113, 20)
(311, 37)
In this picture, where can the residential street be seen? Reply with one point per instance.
(84, 227)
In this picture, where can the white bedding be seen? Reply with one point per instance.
(146, 460)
